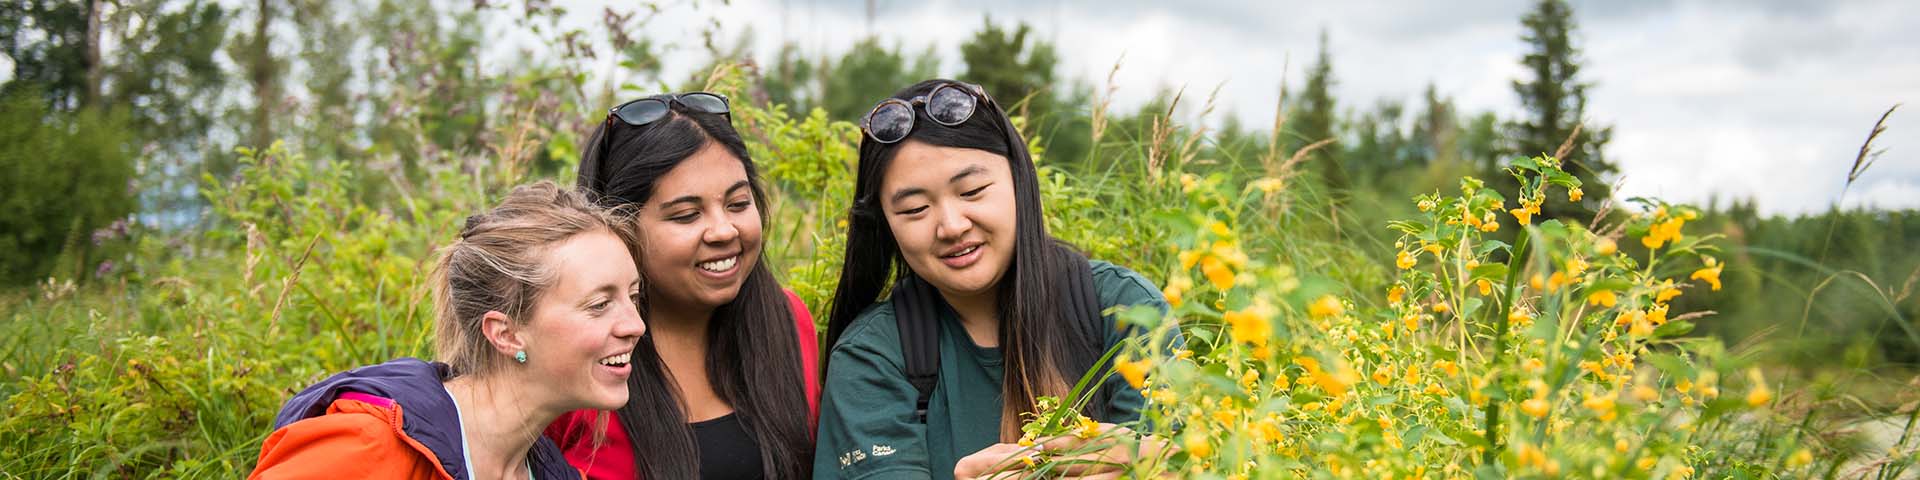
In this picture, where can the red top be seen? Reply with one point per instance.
(613, 458)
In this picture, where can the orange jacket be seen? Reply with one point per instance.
(353, 425)
(357, 438)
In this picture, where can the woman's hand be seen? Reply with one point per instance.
(1000, 460)
(1100, 457)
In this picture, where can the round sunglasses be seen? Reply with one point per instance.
(949, 104)
(652, 109)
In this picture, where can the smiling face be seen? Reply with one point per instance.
(952, 213)
(700, 232)
(583, 328)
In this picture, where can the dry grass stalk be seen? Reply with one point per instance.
(1105, 100)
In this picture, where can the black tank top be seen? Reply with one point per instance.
(726, 451)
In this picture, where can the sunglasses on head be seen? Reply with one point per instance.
(652, 109)
(949, 104)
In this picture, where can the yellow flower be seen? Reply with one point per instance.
(1663, 232)
(1451, 368)
(1710, 273)
(1657, 314)
(1466, 216)
(1535, 407)
(1433, 248)
(1559, 279)
(1177, 289)
(1088, 428)
(1800, 458)
(1250, 379)
(1605, 246)
(1486, 287)
(1248, 328)
(1684, 385)
(1519, 317)
(1219, 229)
(1383, 375)
(1217, 273)
(1489, 223)
(1405, 260)
(1576, 267)
(1189, 258)
(1441, 307)
(1604, 298)
(1523, 215)
(1760, 395)
(1135, 371)
(1640, 328)
(1396, 293)
(1601, 405)
(1532, 365)
(1281, 382)
(1426, 205)
(1645, 393)
(1188, 182)
(1665, 292)
(1413, 374)
(1575, 194)
(1197, 445)
(1268, 185)
(1412, 321)
(1538, 282)
(1326, 306)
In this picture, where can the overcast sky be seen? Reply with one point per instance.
(1765, 99)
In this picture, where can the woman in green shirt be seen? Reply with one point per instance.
(947, 201)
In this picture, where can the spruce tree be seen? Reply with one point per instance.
(1555, 100)
(1315, 120)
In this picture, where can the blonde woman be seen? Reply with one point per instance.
(536, 316)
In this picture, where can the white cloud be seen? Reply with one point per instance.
(1709, 98)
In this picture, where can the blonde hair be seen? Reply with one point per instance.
(500, 264)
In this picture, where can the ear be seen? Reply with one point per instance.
(502, 333)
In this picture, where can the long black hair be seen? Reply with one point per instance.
(752, 353)
(1046, 346)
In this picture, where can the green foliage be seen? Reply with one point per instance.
(1556, 102)
(66, 175)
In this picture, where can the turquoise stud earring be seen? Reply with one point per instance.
(520, 356)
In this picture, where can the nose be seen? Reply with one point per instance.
(629, 324)
(953, 224)
(721, 231)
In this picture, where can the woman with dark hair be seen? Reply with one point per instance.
(947, 201)
(724, 383)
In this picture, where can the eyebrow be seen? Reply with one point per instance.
(695, 199)
(911, 191)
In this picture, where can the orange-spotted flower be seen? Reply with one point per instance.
(1574, 194)
(1405, 260)
(1395, 294)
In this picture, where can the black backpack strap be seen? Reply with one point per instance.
(1081, 304)
(915, 310)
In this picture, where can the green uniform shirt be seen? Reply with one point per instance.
(867, 429)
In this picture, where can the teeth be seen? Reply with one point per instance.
(617, 360)
(963, 253)
(720, 265)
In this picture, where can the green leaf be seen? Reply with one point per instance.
(1673, 329)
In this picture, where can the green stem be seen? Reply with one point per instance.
(1515, 264)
